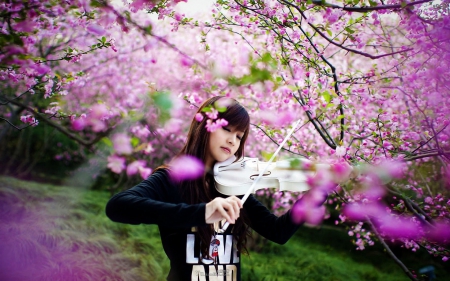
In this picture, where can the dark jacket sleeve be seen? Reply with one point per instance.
(155, 201)
(277, 229)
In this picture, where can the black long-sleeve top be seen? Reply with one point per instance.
(157, 200)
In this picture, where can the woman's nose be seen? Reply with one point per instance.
(232, 140)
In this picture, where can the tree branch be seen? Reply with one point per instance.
(365, 9)
(60, 128)
(389, 251)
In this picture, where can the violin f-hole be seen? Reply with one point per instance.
(265, 174)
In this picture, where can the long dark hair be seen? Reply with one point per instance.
(202, 189)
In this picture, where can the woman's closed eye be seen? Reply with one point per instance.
(229, 130)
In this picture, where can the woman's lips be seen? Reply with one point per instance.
(227, 150)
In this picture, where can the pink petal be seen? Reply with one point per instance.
(96, 29)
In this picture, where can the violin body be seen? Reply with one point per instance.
(235, 178)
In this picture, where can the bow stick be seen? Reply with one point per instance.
(249, 191)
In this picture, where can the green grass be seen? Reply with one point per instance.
(51, 232)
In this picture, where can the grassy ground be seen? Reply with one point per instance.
(52, 232)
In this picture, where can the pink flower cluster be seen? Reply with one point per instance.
(96, 119)
(117, 164)
(29, 120)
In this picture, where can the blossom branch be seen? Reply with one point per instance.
(60, 128)
(340, 45)
(147, 31)
(413, 207)
(389, 251)
(365, 9)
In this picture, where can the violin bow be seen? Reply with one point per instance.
(249, 191)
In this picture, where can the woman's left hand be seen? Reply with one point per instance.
(223, 208)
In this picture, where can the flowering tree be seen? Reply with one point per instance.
(367, 79)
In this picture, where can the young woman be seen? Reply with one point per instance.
(188, 213)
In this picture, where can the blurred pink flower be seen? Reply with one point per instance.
(145, 172)
(278, 119)
(186, 61)
(133, 168)
(340, 151)
(222, 68)
(358, 212)
(341, 171)
(122, 144)
(199, 117)
(97, 125)
(213, 114)
(440, 232)
(390, 169)
(78, 124)
(373, 188)
(116, 164)
(186, 168)
(96, 29)
(309, 209)
(212, 126)
(25, 26)
(40, 68)
(99, 111)
(429, 200)
(397, 227)
(305, 211)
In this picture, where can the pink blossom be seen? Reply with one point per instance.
(48, 88)
(358, 212)
(341, 171)
(440, 232)
(278, 119)
(25, 26)
(40, 68)
(390, 169)
(186, 167)
(29, 120)
(96, 29)
(397, 227)
(116, 164)
(122, 144)
(340, 151)
(222, 68)
(145, 172)
(444, 258)
(133, 168)
(212, 126)
(199, 117)
(213, 114)
(148, 149)
(178, 16)
(78, 124)
(99, 111)
(186, 61)
(305, 211)
(97, 125)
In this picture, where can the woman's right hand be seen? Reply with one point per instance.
(223, 208)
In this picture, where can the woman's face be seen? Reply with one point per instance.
(222, 144)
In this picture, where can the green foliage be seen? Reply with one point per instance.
(163, 102)
(257, 73)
